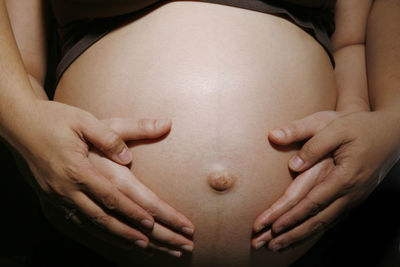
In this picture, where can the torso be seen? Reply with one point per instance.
(225, 76)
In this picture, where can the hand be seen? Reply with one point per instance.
(364, 147)
(56, 149)
(163, 238)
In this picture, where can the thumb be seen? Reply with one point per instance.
(320, 145)
(134, 129)
(301, 129)
(108, 135)
(105, 139)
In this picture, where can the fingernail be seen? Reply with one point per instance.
(147, 223)
(296, 162)
(187, 247)
(141, 243)
(260, 244)
(187, 230)
(175, 253)
(161, 123)
(278, 133)
(125, 155)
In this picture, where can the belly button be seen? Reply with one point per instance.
(220, 180)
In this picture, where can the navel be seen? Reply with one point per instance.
(220, 180)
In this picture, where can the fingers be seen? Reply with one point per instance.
(147, 199)
(108, 135)
(102, 219)
(321, 144)
(161, 238)
(262, 239)
(297, 190)
(134, 129)
(113, 231)
(105, 139)
(165, 235)
(175, 253)
(316, 200)
(308, 203)
(302, 129)
(100, 233)
(125, 182)
(165, 240)
(107, 195)
(315, 225)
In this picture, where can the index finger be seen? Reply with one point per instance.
(316, 200)
(147, 199)
(104, 192)
(296, 191)
(125, 181)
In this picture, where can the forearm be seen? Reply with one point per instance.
(16, 93)
(383, 56)
(348, 42)
(351, 78)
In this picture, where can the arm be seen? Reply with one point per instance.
(348, 43)
(363, 144)
(383, 56)
(54, 139)
(31, 39)
(16, 92)
(23, 29)
(343, 154)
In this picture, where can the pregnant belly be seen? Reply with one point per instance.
(225, 76)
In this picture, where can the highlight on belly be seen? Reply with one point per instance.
(221, 180)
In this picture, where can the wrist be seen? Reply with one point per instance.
(15, 120)
(353, 104)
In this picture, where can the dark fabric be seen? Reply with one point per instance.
(74, 38)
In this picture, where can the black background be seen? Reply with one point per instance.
(369, 236)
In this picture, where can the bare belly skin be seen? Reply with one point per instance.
(225, 76)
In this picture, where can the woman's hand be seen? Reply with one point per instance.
(55, 144)
(364, 146)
